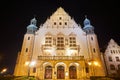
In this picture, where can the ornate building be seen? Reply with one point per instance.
(59, 49)
(112, 58)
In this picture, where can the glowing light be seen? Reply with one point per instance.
(33, 63)
(77, 64)
(69, 52)
(89, 63)
(66, 73)
(4, 70)
(95, 63)
(27, 63)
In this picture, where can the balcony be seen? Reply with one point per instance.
(60, 57)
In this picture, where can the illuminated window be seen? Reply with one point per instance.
(48, 72)
(48, 41)
(72, 41)
(117, 59)
(110, 58)
(60, 42)
(112, 67)
(72, 72)
(60, 72)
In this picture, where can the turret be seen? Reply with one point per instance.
(32, 27)
(88, 28)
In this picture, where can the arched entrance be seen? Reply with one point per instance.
(60, 72)
(48, 72)
(72, 72)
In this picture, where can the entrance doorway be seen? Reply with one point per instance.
(60, 72)
(48, 72)
(72, 72)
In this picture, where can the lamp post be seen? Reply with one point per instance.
(30, 64)
(3, 70)
(93, 64)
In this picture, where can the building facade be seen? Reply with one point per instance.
(59, 49)
(112, 58)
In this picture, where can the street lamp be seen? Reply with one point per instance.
(3, 70)
(93, 64)
(29, 64)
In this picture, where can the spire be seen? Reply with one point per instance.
(86, 21)
(33, 21)
(88, 28)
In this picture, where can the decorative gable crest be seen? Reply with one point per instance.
(60, 19)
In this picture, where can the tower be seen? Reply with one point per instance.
(94, 57)
(25, 56)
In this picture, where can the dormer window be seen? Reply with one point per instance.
(60, 18)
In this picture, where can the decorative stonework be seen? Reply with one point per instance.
(60, 19)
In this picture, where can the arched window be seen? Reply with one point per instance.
(48, 72)
(112, 67)
(72, 72)
(60, 72)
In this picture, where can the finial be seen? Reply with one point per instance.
(85, 16)
(33, 21)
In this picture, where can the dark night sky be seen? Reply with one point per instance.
(16, 15)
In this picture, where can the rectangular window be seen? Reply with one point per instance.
(60, 42)
(94, 50)
(72, 42)
(110, 58)
(28, 38)
(26, 50)
(34, 70)
(87, 70)
(117, 58)
(48, 41)
(92, 38)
